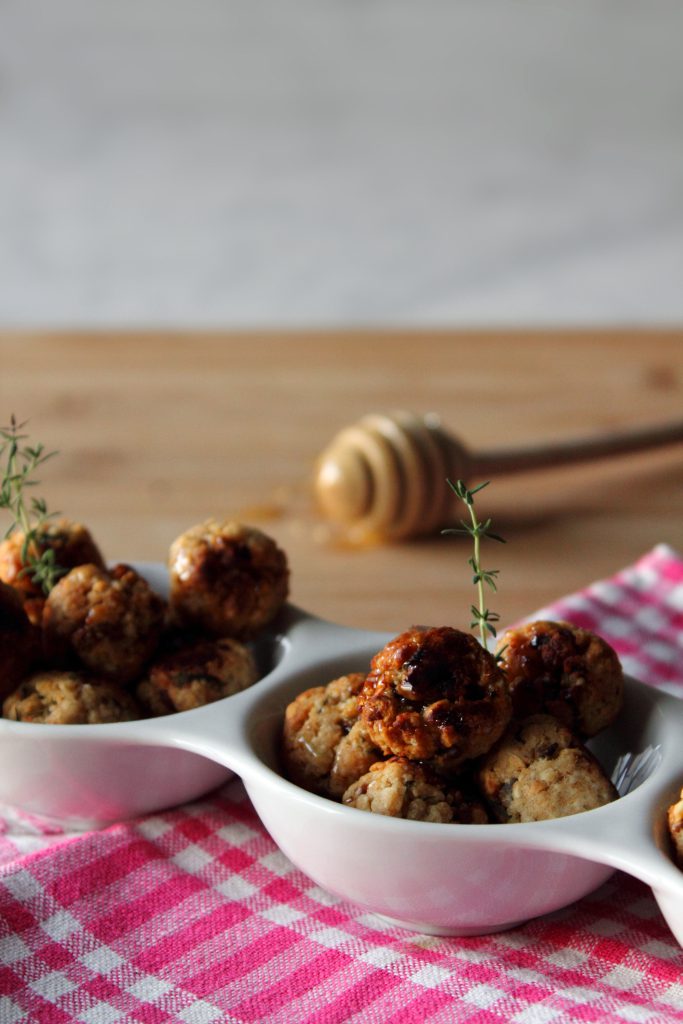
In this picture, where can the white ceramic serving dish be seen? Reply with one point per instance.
(441, 879)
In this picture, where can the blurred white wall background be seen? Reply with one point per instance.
(312, 162)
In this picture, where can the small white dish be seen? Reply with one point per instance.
(435, 878)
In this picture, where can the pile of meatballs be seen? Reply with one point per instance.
(442, 730)
(102, 646)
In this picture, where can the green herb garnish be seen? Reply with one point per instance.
(482, 617)
(21, 461)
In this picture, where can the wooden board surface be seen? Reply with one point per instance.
(159, 431)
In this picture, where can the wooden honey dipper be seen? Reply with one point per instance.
(386, 476)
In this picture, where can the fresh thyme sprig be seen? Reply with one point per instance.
(21, 461)
(482, 617)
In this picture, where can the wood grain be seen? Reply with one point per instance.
(158, 431)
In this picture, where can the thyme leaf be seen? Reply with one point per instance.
(483, 618)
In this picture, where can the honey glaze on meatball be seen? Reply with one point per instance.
(401, 788)
(109, 621)
(70, 698)
(325, 746)
(435, 694)
(19, 644)
(196, 675)
(227, 579)
(564, 671)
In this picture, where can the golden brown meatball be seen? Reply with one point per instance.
(540, 770)
(565, 671)
(405, 789)
(675, 824)
(70, 698)
(109, 621)
(197, 675)
(227, 579)
(72, 546)
(437, 695)
(325, 746)
(19, 643)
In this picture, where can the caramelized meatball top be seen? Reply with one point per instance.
(435, 694)
(562, 670)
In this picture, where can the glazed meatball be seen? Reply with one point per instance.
(110, 622)
(437, 695)
(197, 675)
(404, 789)
(70, 698)
(19, 645)
(72, 546)
(227, 579)
(675, 824)
(565, 671)
(325, 746)
(540, 770)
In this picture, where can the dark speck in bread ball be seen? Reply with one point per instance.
(541, 770)
(70, 698)
(401, 788)
(196, 675)
(325, 746)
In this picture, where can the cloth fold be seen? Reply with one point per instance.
(193, 915)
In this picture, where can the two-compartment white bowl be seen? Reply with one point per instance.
(441, 879)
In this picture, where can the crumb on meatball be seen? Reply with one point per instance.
(196, 675)
(674, 819)
(562, 670)
(19, 640)
(325, 746)
(405, 789)
(71, 543)
(227, 578)
(435, 694)
(70, 698)
(110, 621)
(540, 770)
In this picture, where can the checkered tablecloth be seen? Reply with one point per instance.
(194, 916)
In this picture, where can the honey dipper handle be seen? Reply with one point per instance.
(518, 460)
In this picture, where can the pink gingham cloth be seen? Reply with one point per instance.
(194, 916)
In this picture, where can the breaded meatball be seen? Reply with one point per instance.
(197, 675)
(226, 578)
(540, 770)
(565, 671)
(436, 695)
(675, 824)
(109, 621)
(405, 789)
(19, 641)
(325, 746)
(70, 698)
(72, 546)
